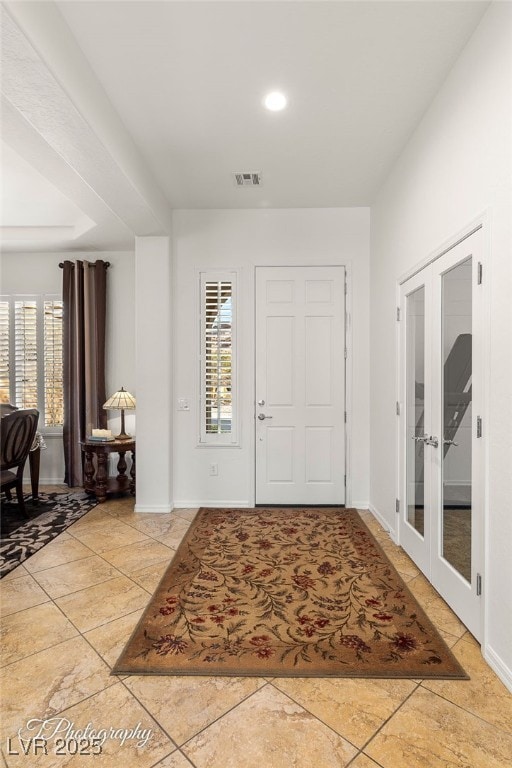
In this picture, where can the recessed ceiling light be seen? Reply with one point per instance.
(275, 101)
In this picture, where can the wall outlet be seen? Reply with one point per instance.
(183, 404)
(214, 469)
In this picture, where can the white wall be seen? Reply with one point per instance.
(243, 239)
(154, 354)
(457, 165)
(23, 273)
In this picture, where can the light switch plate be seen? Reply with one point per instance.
(183, 404)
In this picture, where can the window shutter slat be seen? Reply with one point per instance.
(31, 355)
(217, 327)
(25, 345)
(5, 391)
(53, 373)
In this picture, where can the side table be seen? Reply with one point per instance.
(97, 480)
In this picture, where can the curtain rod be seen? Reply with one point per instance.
(107, 264)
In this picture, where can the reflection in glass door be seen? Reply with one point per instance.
(456, 412)
(415, 409)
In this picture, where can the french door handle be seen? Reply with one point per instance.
(449, 442)
(427, 439)
(262, 417)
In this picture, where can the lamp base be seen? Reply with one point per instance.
(123, 436)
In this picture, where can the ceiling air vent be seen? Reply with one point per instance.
(247, 179)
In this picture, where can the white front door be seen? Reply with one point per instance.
(300, 385)
(442, 455)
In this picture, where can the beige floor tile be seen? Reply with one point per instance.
(435, 607)
(19, 594)
(449, 639)
(96, 516)
(102, 603)
(65, 675)
(106, 536)
(20, 570)
(155, 525)
(110, 639)
(134, 556)
(199, 700)
(72, 577)
(114, 708)
(353, 708)
(33, 630)
(176, 532)
(187, 514)
(117, 507)
(429, 732)
(401, 561)
(484, 695)
(149, 578)
(176, 760)
(268, 729)
(363, 761)
(63, 549)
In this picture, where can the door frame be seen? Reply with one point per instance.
(482, 222)
(348, 366)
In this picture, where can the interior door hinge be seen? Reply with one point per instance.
(478, 585)
(397, 506)
(479, 426)
(479, 273)
(346, 353)
(345, 415)
(398, 314)
(397, 408)
(346, 288)
(345, 480)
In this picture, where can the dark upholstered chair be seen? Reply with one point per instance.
(17, 431)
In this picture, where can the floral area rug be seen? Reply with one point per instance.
(286, 592)
(20, 538)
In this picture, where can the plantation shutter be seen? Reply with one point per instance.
(25, 353)
(53, 372)
(217, 354)
(5, 389)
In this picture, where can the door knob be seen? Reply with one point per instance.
(449, 442)
(420, 439)
(261, 402)
(262, 417)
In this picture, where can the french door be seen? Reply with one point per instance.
(300, 385)
(441, 435)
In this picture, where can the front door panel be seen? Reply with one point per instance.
(300, 378)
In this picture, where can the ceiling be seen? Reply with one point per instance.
(187, 80)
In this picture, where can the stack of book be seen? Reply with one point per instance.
(101, 436)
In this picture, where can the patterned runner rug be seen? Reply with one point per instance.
(284, 592)
(20, 537)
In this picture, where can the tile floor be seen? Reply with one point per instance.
(68, 611)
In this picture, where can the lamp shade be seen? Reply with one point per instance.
(121, 399)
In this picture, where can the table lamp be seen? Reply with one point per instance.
(123, 401)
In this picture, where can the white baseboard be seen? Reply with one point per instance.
(382, 520)
(46, 481)
(498, 665)
(162, 509)
(194, 504)
(358, 505)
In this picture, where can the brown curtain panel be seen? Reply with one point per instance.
(84, 297)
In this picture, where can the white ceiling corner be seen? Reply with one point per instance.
(131, 108)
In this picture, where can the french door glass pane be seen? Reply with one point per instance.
(456, 411)
(415, 407)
